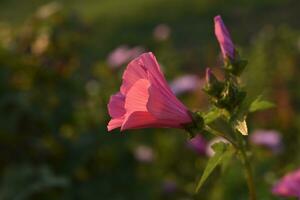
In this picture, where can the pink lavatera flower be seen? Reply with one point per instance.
(186, 83)
(198, 144)
(224, 39)
(145, 99)
(270, 139)
(289, 185)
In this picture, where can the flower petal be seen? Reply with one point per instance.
(223, 37)
(115, 123)
(167, 108)
(139, 119)
(137, 96)
(134, 72)
(116, 105)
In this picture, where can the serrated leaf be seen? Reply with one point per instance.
(241, 126)
(259, 104)
(212, 115)
(220, 149)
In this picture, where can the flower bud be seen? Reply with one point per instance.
(213, 87)
(224, 39)
(233, 63)
(231, 97)
(236, 66)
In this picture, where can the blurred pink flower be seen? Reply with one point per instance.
(267, 138)
(186, 83)
(224, 39)
(169, 187)
(162, 32)
(289, 185)
(122, 55)
(208, 75)
(144, 154)
(145, 99)
(198, 144)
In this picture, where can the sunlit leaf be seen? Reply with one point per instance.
(212, 115)
(259, 104)
(220, 150)
(227, 157)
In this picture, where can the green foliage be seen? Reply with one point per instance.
(212, 115)
(259, 104)
(23, 182)
(223, 153)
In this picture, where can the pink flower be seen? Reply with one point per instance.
(162, 32)
(144, 154)
(185, 83)
(122, 55)
(270, 139)
(289, 185)
(198, 144)
(223, 38)
(145, 99)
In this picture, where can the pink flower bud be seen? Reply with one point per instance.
(224, 39)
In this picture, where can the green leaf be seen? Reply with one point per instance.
(227, 158)
(221, 152)
(211, 115)
(259, 104)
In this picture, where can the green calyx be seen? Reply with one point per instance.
(235, 66)
(197, 124)
(213, 87)
(231, 97)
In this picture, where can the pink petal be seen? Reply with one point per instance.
(134, 71)
(166, 109)
(116, 105)
(115, 123)
(289, 185)
(224, 39)
(137, 96)
(139, 119)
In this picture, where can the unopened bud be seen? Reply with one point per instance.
(235, 66)
(213, 87)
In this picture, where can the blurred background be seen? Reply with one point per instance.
(60, 62)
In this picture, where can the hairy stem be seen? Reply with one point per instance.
(248, 169)
(219, 134)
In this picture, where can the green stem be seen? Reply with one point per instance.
(248, 169)
(219, 134)
(245, 160)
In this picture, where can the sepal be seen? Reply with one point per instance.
(236, 65)
(196, 126)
